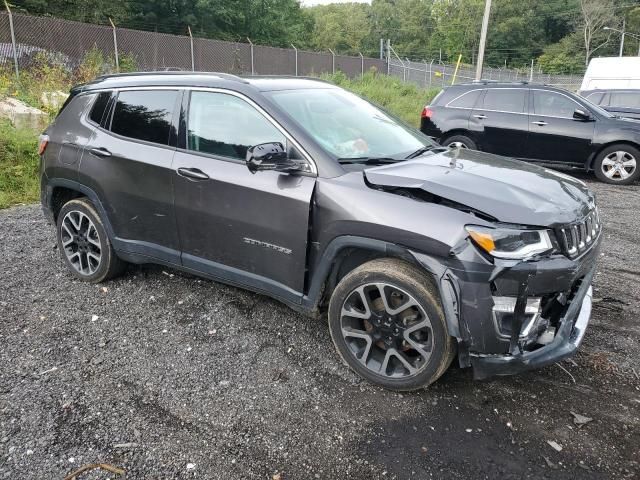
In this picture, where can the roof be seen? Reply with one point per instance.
(202, 79)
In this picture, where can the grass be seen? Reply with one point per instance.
(19, 163)
(19, 181)
(405, 100)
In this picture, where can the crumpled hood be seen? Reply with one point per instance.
(509, 190)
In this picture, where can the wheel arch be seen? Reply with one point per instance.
(61, 190)
(458, 131)
(592, 158)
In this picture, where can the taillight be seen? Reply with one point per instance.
(426, 112)
(43, 142)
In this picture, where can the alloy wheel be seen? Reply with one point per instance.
(81, 242)
(386, 330)
(619, 165)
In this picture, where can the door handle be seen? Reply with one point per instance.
(480, 116)
(193, 173)
(540, 123)
(100, 152)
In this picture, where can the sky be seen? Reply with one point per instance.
(310, 3)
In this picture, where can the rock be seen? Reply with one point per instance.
(555, 445)
(580, 420)
(191, 466)
(22, 115)
(53, 100)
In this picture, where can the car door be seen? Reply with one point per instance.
(249, 229)
(127, 163)
(499, 121)
(554, 135)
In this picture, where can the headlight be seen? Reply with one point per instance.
(510, 243)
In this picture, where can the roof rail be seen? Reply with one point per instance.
(226, 76)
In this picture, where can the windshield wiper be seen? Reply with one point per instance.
(367, 160)
(421, 150)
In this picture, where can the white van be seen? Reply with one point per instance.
(611, 73)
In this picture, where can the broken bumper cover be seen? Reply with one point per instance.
(567, 340)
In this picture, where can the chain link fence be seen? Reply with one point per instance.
(436, 74)
(69, 42)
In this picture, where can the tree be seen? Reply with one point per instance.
(596, 14)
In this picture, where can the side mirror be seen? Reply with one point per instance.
(582, 115)
(270, 156)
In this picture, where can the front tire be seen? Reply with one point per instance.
(618, 164)
(459, 141)
(387, 324)
(84, 244)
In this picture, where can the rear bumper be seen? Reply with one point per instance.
(572, 328)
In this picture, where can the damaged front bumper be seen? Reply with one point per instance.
(572, 327)
(549, 299)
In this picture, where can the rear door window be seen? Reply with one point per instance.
(144, 115)
(552, 104)
(509, 100)
(466, 100)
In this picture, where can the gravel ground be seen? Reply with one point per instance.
(168, 376)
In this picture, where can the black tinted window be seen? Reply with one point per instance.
(553, 104)
(226, 125)
(624, 99)
(467, 100)
(99, 106)
(144, 115)
(505, 99)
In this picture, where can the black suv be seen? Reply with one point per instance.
(297, 189)
(536, 123)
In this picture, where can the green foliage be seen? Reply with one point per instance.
(561, 58)
(402, 99)
(19, 163)
(520, 30)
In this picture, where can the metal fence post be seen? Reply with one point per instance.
(296, 50)
(425, 72)
(193, 63)
(251, 48)
(115, 45)
(13, 40)
(431, 72)
(333, 61)
(388, 56)
(361, 64)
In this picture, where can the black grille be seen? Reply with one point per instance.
(577, 238)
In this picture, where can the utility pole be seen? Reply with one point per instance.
(624, 22)
(483, 38)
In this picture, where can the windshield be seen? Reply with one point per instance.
(348, 126)
(597, 108)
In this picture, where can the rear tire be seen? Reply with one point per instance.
(399, 341)
(459, 141)
(618, 164)
(84, 244)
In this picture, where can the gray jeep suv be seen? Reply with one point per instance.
(299, 190)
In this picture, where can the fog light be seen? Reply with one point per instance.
(503, 315)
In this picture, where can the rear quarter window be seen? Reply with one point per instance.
(99, 107)
(466, 100)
